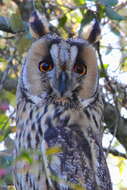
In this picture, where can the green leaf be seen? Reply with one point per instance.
(16, 22)
(102, 74)
(121, 165)
(24, 43)
(88, 17)
(53, 150)
(11, 98)
(109, 3)
(25, 156)
(63, 20)
(101, 71)
(101, 11)
(79, 2)
(115, 31)
(5, 128)
(105, 66)
(113, 15)
(3, 61)
(3, 119)
(124, 65)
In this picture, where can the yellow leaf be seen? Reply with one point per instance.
(53, 150)
(14, 129)
(77, 187)
(17, 22)
(23, 43)
(69, 184)
(121, 165)
(11, 187)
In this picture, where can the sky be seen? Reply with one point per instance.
(118, 175)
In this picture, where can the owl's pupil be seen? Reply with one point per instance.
(44, 67)
(80, 69)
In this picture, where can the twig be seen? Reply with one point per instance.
(115, 153)
(110, 47)
(7, 38)
(102, 66)
(113, 91)
(5, 25)
(26, 7)
(122, 5)
(10, 116)
(71, 8)
(5, 74)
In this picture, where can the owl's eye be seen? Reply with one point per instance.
(80, 69)
(45, 67)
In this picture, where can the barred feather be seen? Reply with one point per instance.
(59, 113)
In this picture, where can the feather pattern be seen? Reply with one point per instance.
(59, 113)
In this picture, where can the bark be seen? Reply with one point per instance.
(26, 7)
(9, 84)
(110, 117)
(5, 25)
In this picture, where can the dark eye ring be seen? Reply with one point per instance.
(80, 69)
(45, 66)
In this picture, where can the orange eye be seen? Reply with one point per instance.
(45, 67)
(80, 69)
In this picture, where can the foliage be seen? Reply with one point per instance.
(67, 18)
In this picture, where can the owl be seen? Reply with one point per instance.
(59, 113)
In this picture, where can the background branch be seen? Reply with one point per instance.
(116, 153)
(10, 84)
(26, 7)
(5, 25)
(109, 118)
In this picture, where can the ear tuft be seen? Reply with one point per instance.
(91, 32)
(38, 25)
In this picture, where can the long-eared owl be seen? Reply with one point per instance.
(59, 112)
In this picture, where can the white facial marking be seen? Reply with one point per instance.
(64, 51)
(73, 53)
(86, 102)
(55, 53)
(25, 76)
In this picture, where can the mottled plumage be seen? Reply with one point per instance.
(59, 114)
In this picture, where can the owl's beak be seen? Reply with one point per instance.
(63, 83)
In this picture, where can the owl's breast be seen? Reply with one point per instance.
(71, 152)
(67, 152)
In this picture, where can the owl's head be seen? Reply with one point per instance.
(60, 71)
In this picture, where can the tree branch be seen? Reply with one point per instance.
(5, 25)
(25, 7)
(116, 124)
(116, 153)
(9, 84)
(110, 118)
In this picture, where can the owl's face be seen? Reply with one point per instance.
(60, 70)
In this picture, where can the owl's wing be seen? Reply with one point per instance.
(98, 161)
(93, 131)
(28, 170)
